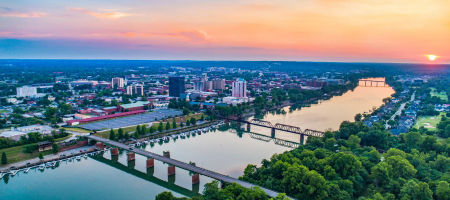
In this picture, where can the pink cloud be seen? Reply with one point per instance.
(7, 12)
(105, 15)
(7, 34)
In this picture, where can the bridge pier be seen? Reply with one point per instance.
(196, 188)
(248, 127)
(150, 163)
(273, 132)
(171, 170)
(100, 145)
(150, 171)
(171, 177)
(302, 139)
(131, 164)
(195, 179)
(131, 156)
(114, 151)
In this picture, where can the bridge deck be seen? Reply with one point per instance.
(183, 165)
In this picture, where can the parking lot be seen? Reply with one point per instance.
(132, 120)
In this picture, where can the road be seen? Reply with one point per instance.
(399, 111)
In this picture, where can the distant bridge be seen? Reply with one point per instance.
(281, 127)
(172, 163)
(373, 83)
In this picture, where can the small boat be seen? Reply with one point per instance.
(13, 172)
(78, 158)
(27, 170)
(41, 167)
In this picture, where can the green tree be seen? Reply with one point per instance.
(160, 127)
(167, 125)
(174, 123)
(4, 159)
(41, 156)
(152, 129)
(193, 121)
(416, 190)
(443, 191)
(55, 148)
(181, 124)
(165, 196)
(112, 135)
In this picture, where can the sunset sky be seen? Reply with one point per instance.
(302, 30)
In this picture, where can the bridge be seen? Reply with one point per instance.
(281, 127)
(373, 83)
(172, 163)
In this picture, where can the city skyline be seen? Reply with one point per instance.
(315, 30)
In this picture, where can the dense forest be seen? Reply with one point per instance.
(356, 162)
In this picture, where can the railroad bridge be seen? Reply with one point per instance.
(281, 127)
(373, 83)
(195, 170)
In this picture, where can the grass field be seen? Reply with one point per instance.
(16, 154)
(75, 129)
(442, 95)
(429, 122)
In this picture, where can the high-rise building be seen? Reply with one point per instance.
(239, 88)
(139, 89)
(26, 91)
(176, 86)
(208, 86)
(199, 85)
(118, 82)
(218, 84)
(135, 89)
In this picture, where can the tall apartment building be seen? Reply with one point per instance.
(218, 84)
(135, 89)
(26, 91)
(176, 86)
(239, 88)
(118, 82)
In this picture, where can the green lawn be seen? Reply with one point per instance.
(429, 122)
(75, 129)
(16, 154)
(442, 95)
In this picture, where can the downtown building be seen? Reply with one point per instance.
(176, 86)
(26, 91)
(118, 82)
(135, 89)
(239, 88)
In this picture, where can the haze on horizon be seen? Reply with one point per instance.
(307, 30)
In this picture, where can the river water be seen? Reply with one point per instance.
(227, 152)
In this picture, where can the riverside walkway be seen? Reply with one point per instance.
(180, 164)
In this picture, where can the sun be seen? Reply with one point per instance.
(431, 57)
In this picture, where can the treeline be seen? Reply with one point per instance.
(142, 130)
(32, 137)
(358, 162)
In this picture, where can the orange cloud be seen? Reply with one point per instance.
(107, 15)
(193, 36)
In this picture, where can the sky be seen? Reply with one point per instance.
(300, 30)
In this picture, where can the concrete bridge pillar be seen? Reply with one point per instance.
(114, 151)
(100, 145)
(273, 132)
(171, 170)
(196, 188)
(150, 163)
(302, 139)
(150, 171)
(248, 127)
(131, 164)
(195, 179)
(131, 156)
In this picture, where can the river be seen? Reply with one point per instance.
(226, 152)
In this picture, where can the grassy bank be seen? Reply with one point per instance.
(17, 154)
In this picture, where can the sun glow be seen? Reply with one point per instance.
(431, 57)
